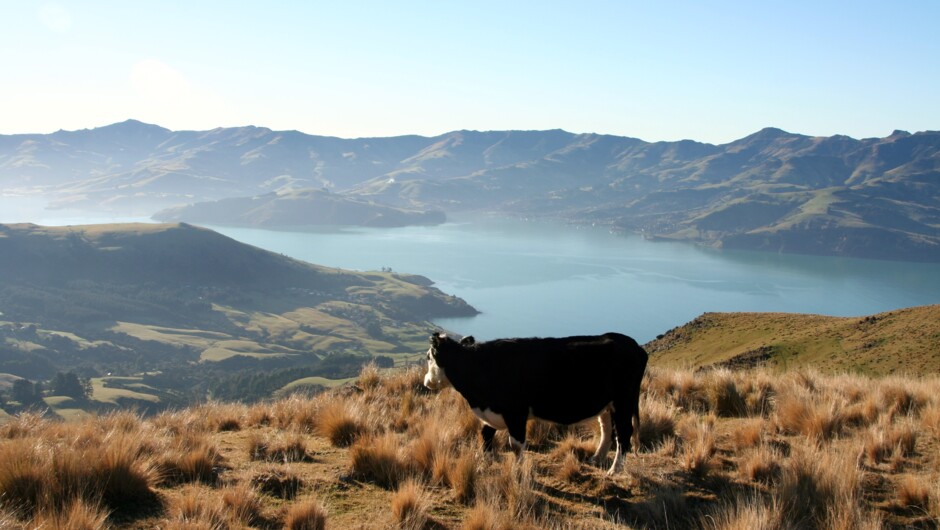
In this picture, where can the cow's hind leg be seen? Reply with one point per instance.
(487, 433)
(516, 424)
(622, 413)
(606, 436)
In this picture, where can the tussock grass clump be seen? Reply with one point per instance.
(862, 413)
(338, 423)
(242, 503)
(698, 445)
(195, 508)
(818, 419)
(369, 377)
(818, 488)
(375, 459)
(749, 433)
(760, 464)
(913, 492)
(483, 517)
(120, 421)
(930, 418)
(657, 422)
(308, 515)
(193, 421)
(77, 515)
(405, 382)
(36, 477)
(539, 434)
(570, 469)
(195, 459)
(283, 448)
(574, 446)
(459, 424)
(743, 513)
(889, 442)
(685, 389)
(899, 399)
(410, 505)
(424, 452)
(295, 412)
(23, 475)
(277, 482)
(758, 388)
(463, 476)
(23, 425)
(259, 415)
(515, 482)
(229, 424)
(722, 394)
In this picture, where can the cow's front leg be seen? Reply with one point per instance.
(487, 434)
(516, 424)
(606, 437)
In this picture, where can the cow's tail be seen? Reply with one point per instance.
(640, 371)
(636, 432)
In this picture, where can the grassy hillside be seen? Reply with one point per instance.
(719, 450)
(905, 341)
(298, 209)
(155, 301)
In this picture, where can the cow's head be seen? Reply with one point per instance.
(443, 348)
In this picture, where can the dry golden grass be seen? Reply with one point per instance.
(760, 464)
(410, 505)
(462, 476)
(277, 482)
(338, 422)
(570, 468)
(309, 515)
(243, 504)
(698, 445)
(720, 449)
(284, 447)
(195, 507)
(78, 515)
(375, 459)
(913, 492)
(369, 377)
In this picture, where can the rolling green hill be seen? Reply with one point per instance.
(906, 341)
(181, 310)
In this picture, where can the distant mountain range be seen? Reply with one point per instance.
(772, 190)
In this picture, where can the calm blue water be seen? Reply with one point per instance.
(546, 279)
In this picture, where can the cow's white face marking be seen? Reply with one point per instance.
(435, 378)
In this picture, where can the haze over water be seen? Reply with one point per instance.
(541, 278)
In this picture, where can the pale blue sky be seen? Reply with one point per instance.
(708, 71)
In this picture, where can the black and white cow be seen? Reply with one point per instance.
(561, 380)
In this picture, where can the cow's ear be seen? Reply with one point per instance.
(468, 341)
(435, 340)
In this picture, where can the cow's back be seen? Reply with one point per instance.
(564, 380)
